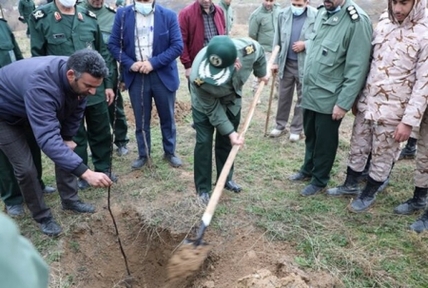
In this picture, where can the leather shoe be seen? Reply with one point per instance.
(50, 227)
(122, 150)
(78, 206)
(204, 198)
(15, 210)
(82, 184)
(232, 186)
(173, 160)
(49, 190)
(299, 176)
(139, 163)
(311, 190)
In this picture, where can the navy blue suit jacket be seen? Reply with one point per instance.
(167, 45)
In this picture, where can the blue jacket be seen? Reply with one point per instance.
(36, 91)
(167, 46)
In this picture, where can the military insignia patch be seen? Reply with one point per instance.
(198, 81)
(352, 12)
(110, 8)
(215, 60)
(39, 14)
(80, 16)
(57, 16)
(91, 14)
(250, 49)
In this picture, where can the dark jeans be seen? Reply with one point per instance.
(121, 126)
(322, 139)
(153, 88)
(203, 150)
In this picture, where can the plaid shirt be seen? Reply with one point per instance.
(209, 25)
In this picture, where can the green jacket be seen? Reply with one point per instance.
(105, 18)
(25, 8)
(51, 35)
(214, 100)
(262, 25)
(9, 49)
(228, 15)
(338, 59)
(283, 33)
(21, 265)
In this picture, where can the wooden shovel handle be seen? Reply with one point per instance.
(212, 204)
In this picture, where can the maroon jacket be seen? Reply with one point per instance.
(192, 30)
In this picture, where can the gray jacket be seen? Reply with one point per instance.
(283, 33)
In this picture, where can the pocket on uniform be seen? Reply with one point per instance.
(327, 82)
(57, 39)
(328, 52)
(88, 41)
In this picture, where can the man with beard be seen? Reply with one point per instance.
(50, 105)
(337, 62)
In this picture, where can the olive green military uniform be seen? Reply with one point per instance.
(105, 17)
(53, 33)
(219, 108)
(25, 8)
(21, 265)
(228, 15)
(337, 62)
(9, 188)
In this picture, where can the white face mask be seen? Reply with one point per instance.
(144, 8)
(67, 3)
(297, 11)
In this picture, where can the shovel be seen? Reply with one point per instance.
(193, 252)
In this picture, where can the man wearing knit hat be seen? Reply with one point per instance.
(218, 73)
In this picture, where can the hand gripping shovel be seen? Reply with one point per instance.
(192, 253)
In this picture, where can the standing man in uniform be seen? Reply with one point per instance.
(226, 6)
(61, 28)
(337, 62)
(262, 25)
(25, 8)
(295, 26)
(218, 74)
(50, 106)
(146, 41)
(105, 17)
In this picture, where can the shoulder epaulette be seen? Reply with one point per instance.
(89, 13)
(110, 8)
(320, 6)
(352, 12)
(249, 49)
(39, 14)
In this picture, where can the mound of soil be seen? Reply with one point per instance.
(92, 257)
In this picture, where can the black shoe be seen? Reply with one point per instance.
(122, 150)
(78, 206)
(418, 202)
(233, 186)
(82, 184)
(204, 198)
(49, 227)
(350, 187)
(367, 197)
(15, 210)
(409, 151)
(421, 224)
(299, 176)
(173, 160)
(139, 163)
(49, 190)
(311, 190)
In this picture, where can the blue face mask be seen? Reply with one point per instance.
(144, 8)
(297, 11)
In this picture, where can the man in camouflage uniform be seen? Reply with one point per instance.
(25, 8)
(216, 103)
(391, 105)
(336, 66)
(60, 28)
(105, 17)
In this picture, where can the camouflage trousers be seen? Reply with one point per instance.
(369, 136)
(421, 171)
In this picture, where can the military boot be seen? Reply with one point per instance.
(367, 197)
(418, 202)
(421, 224)
(350, 187)
(409, 151)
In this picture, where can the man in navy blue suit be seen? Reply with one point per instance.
(146, 40)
